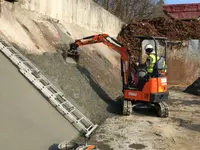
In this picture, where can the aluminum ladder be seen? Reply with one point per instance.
(48, 90)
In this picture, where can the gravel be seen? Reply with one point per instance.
(79, 85)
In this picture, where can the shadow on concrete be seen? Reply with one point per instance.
(143, 110)
(184, 102)
(187, 124)
(191, 102)
(176, 88)
(53, 147)
(113, 105)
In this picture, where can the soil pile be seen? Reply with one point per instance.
(162, 26)
(194, 88)
(174, 30)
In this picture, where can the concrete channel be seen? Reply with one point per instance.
(28, 121)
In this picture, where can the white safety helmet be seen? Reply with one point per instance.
(149, 48)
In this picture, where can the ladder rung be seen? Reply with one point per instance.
(34, 70)
(79, 120)
(59, 93)
(16, 54)
(47, 85)
(69, 112)
(64, 103)
(38, 78)
(72, 110)
(90, 127)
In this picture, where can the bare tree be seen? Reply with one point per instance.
(128, 10)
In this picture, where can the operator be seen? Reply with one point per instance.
(147, 69)
(151, 61)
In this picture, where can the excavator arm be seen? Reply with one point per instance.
(111, 43)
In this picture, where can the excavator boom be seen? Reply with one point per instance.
(100, 38)
(108, 41)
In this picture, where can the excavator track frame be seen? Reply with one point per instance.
(127, 107)
(162, 109)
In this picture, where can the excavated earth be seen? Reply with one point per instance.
(162, 26)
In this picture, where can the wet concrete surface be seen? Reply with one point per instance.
(28, 121)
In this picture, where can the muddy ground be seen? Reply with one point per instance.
(142, 130)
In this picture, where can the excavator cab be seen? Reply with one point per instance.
(160, 67)
(138, 86)
(149, 88)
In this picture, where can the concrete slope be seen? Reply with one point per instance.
(28, 121)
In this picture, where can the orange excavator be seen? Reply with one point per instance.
(151, 91)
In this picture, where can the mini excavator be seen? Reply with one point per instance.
(152, 92)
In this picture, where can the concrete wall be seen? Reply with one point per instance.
(184, 62)
(84, 13)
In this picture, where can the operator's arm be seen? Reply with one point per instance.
(148, 62)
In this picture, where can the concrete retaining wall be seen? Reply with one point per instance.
(84, 13)
(184, 62)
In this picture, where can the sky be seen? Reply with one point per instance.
(181, 1)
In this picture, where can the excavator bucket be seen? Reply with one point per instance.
(72, 54)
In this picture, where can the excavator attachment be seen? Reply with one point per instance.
(73, 50)
(72, 54)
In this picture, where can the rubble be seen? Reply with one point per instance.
(161, 26)
(194, 88)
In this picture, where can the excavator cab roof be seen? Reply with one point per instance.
(151, 38)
